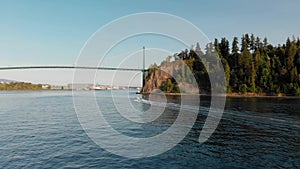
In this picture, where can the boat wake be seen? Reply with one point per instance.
(231, 115)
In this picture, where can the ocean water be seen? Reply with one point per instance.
(40, 129)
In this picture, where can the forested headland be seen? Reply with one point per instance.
(251, 65)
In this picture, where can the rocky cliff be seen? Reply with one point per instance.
(170, 77)
(155, 81)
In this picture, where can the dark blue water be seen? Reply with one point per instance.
(41, 130)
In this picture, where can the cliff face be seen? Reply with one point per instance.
(155, 80)
(170, 77)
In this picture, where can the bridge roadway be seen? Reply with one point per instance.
(70, 67)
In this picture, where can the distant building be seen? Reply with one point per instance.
(58, 87)
(46, 86)
(80, 86)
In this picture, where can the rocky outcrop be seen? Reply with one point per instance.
(155, 81)
(172, 75)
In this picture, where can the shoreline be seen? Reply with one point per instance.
(228, 95)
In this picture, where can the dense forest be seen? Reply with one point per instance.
(20, 86)
(251, 65)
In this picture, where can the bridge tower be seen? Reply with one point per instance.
(143, 71)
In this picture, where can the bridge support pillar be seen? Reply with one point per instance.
(143, 72)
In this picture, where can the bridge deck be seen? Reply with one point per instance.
(69, 67)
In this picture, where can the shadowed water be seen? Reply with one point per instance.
(41, 130)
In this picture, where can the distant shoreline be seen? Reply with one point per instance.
(22, 90)
(228, 95)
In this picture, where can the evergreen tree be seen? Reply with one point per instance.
(217, 47)
(198, 50)
(265, 42)
(252, 43)
(224, 48)
(233, 62)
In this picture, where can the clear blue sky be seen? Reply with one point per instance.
(35, 32)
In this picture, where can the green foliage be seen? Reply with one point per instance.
(20, 86)
(243, 88)
(170, 86)
(298, 92)
(256, 67)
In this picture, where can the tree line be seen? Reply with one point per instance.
(20, 86)
(250, 65)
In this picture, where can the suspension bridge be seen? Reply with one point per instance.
(143, 70)
(70, 67)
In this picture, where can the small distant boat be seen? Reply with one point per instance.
(138, 90)
(97, 88)
(141, 100)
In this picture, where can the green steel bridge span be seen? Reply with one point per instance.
(82, 67)
(78, 67)
(70, 67)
